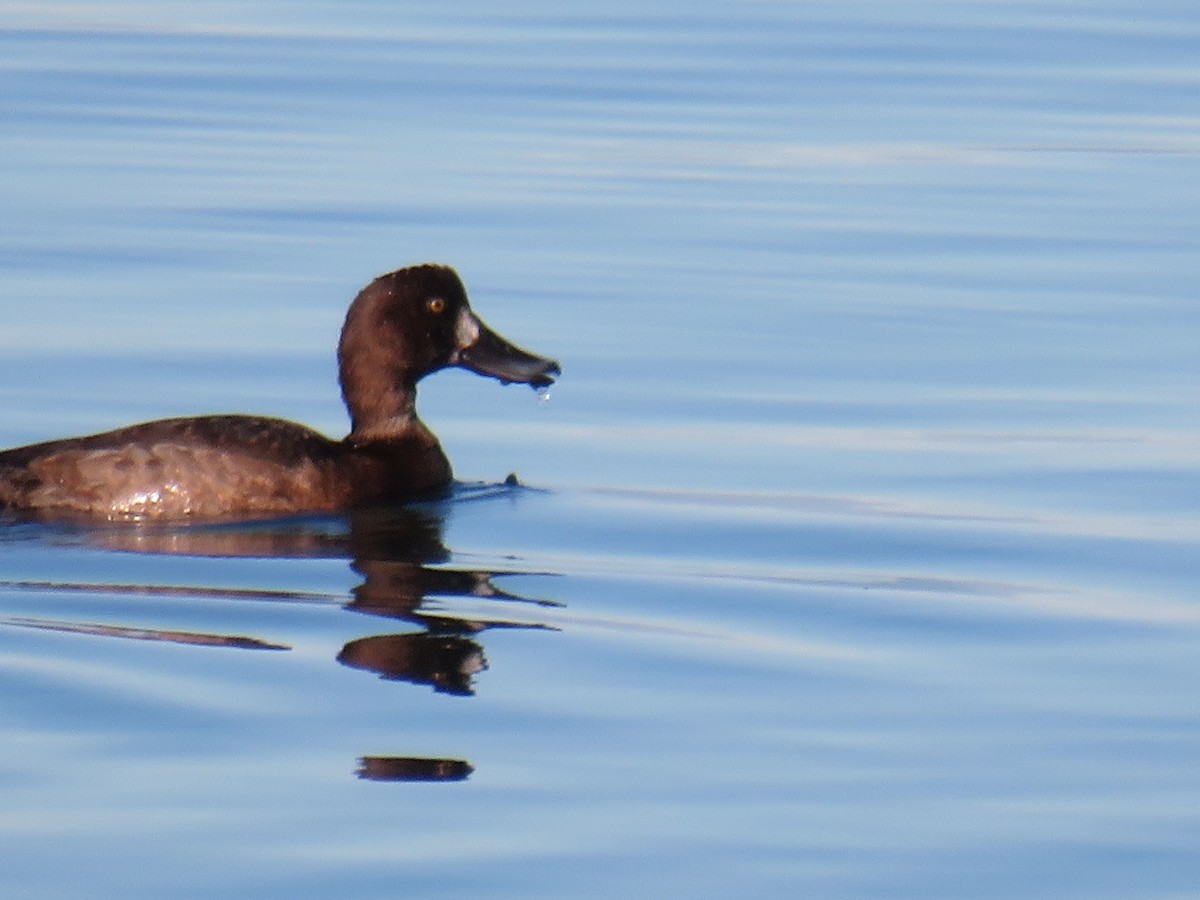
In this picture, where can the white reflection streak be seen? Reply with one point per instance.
(684, 158)
(1174, 445)
(1058, 601)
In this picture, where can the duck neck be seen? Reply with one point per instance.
(379, 391)
(381, 401)
(383, 416)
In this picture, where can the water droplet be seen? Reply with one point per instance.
(543, 394)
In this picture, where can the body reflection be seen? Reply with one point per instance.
(400, 554)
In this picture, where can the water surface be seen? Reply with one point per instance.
(854, 555)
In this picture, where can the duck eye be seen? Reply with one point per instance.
(435, 305)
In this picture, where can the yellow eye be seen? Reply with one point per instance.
(435, 305)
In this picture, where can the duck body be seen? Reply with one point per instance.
(400, 327)
(215, 466)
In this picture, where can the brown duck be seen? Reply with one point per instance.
(400, 328)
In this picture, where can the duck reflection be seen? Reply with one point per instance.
(399, 554)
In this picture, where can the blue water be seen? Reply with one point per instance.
(855, 553)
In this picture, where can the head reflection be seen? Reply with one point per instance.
(445, 662)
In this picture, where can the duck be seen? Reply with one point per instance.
(401, 327)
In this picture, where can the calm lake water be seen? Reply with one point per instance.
(856, 554)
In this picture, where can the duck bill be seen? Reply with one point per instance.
(482, 350)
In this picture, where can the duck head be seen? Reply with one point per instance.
(408, 324)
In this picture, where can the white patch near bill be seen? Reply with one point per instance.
(466, 329)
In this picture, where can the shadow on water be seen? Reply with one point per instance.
(400, 555)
